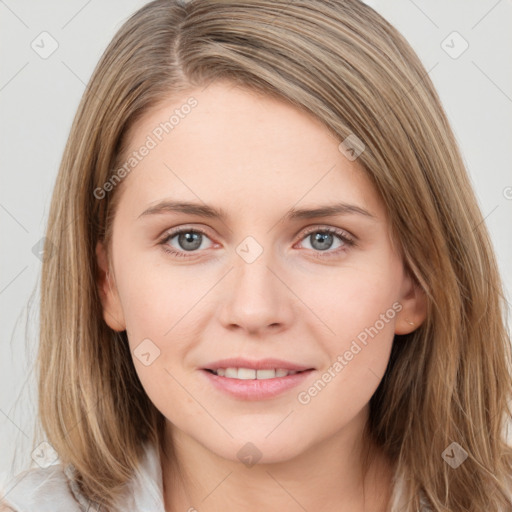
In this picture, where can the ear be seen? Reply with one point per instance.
(112, 310)
(414, 307)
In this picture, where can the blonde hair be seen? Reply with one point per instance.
(448, 381)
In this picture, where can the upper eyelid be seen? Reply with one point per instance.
(335, 230)
(171, 233)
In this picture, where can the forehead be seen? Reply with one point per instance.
(241, 150)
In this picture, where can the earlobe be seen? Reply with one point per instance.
(414, 307)
(107, 289)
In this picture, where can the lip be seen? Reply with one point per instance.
(254, 389)
(262, 364)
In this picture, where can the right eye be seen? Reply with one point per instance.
(186, 240)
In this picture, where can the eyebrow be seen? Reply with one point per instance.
(203, 210)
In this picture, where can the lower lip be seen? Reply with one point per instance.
(254, 389)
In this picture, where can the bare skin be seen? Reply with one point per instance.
(256, 158)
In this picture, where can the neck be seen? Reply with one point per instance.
(328, 476)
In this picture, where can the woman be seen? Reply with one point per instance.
(280, 291)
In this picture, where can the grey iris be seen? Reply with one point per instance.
(321, 241)
(189, 241)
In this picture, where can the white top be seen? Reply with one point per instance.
(52, 490)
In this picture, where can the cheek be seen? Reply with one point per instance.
(361, 315)
(350, 300)
(358, 309)
(160, 307)
(156, 298)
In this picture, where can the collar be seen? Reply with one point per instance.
(144, 492)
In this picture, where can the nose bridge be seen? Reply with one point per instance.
(253, 279)
(257, 298)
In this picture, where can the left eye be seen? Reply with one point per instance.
(323, 239)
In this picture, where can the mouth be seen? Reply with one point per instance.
(263, 380)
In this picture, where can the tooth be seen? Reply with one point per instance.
(246, 373)
(231, 373)
(249, 373)
(265, 374)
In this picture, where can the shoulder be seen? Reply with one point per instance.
(39, 490)
(54, 490)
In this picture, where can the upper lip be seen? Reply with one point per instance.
(262, 364)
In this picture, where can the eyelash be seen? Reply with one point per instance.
(346, 239)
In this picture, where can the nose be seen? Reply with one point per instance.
(256, 298)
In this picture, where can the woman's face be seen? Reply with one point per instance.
(270, 279)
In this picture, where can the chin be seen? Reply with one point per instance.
(256, 449)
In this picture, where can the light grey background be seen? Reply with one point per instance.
(39, 97)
